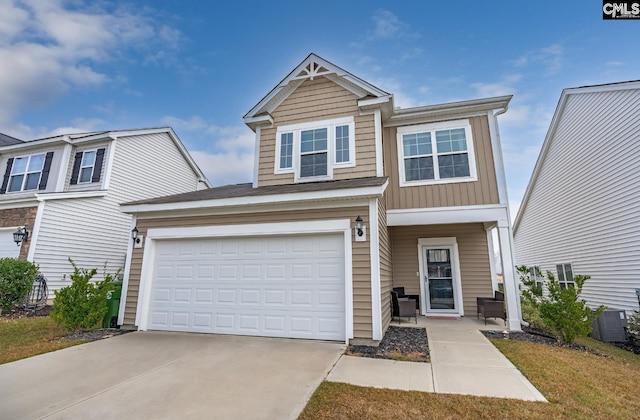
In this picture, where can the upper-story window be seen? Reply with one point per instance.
(436, 153)
(87, 166)
(311, 151)
(26, 172)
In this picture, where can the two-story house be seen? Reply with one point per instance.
(65, 191)
(350, 197)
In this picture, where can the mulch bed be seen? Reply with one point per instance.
(90, 335)
(399, 343)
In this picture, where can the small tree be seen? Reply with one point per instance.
(16, 280)
(561, 310)
(83, 304)
(634, 325)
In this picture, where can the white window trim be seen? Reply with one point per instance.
(564, 275)
(449, 125)
(93, 167)
(330, 125)
(26, 173)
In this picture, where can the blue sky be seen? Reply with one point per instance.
(199, 66)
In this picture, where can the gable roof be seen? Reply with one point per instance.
(310, 67)
(546, 145)
(6, 140)
(111, 135)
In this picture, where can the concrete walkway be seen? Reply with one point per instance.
(463, 361)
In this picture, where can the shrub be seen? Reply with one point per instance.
(16, 280)
(634, 325)
(83, 304)
(561, 310)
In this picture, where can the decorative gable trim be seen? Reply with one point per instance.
(312, 66)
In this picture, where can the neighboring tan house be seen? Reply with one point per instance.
(581, 209)
(66, 191)
(283, 256)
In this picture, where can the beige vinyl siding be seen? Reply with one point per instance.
(480, 192)
(386, 266)
(317, 100)
(93, 231)
(87, 186)
(475, 271)
(361, 261)
(584, 206)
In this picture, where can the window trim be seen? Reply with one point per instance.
(432, 128)
(26, 173)
(93, 166)
(564, 280)
(296, 130)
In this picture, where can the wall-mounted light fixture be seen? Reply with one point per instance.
(20, 235)
(360, 230)
(137, 238)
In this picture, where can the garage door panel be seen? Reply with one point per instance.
(279, 286)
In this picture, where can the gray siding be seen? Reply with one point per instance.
(584, 206)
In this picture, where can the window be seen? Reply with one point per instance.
(436, 153)
(536, 276)
(312, 150)
(26, 172)
(565, 275)
(86, 166)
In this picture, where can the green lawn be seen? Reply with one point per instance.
(577, 384)
(26, 337)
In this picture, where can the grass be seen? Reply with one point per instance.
(578, 385)
(25, 337)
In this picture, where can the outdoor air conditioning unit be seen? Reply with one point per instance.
(610, 326)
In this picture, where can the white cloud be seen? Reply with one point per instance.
(551, 57)
(401, 98)
(228, 159)
(389, 26)
(503, 87)
(49, 47)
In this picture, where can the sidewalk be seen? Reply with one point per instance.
(463, 361)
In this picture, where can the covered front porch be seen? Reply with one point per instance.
(447, 266)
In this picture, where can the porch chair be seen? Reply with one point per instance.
(401, 294)
(491, 307)
(403, 307)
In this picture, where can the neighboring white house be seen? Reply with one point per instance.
(66, 191)
(580, 213)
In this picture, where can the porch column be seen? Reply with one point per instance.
(511, 293)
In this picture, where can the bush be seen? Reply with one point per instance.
(83, 304)
(634, 325)
(561, 310)
(16, 280)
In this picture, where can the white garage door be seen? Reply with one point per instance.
(276, 286)
(8, 248)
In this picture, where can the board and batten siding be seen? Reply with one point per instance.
(475, 271)
(93, 231)
(584, 206)
(316, 100)
(361, 261)
(480, 192)
(386, 264)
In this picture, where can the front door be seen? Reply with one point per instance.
(440, 279)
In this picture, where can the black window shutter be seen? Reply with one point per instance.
(97, 168)
(76, 168)
(45, 171)
(7, 174)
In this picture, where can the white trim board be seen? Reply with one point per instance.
(342, 226)
(448, 215)
(374, 251)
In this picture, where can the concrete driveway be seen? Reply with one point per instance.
(168, 375)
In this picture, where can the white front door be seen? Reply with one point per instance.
(441, 279)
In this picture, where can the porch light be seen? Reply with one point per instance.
(359, 226)
(134, 235)
(20, 235)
